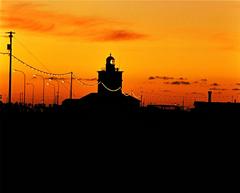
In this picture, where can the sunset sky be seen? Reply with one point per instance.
(168, 50)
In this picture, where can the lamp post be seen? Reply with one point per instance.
(24, 84)
(32, 92)
(57, 80)
(20, 98)
(43, 85)
(54, 93)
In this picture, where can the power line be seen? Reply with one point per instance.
(4, 53)
(36, 58)
(38, 70)
(87, 84)
(65, 87)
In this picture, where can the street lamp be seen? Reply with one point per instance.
(57, 80)
(42, 85)
(24, 84)
(54, 96)
(31, 84)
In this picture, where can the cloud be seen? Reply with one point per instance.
(160, 77)
(238, 84)
(215, 84)
(181, 82)
(165, 77)
(151, 78)
(178, 83)
(33, 17)
(215, 88)
(236, 89)
(201, 81)
(181, 78)
(119, 35)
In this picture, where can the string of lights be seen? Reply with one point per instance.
(132, 94)
(63, 74)
(111, 90)
(38, 70)
(135, 95)
(84, 83)
(30, 52)
(87, 84)
(126, 94)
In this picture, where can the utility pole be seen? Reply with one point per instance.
(20, 97)
(9, 47)
(71, 85)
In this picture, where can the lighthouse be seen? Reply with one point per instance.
(109, 97)
(110, 79)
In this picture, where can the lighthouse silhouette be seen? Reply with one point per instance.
(110, 79)
(109, 97)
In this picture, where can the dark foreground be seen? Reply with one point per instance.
(69, 152)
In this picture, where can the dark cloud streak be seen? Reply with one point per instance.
(36, 18)
(215, 84)
(215, 88)
(160, 77)
(178, 83)
(236, 89)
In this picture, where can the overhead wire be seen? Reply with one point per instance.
(38, 70)
(62, 74)
(30, 52)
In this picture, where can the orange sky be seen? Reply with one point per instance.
(167, 49)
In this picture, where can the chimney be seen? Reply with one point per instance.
(209, 96)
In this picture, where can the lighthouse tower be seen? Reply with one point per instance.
(109, 97)
(110, 79)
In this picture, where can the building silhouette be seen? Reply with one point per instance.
(109, 96)
(216, 107)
